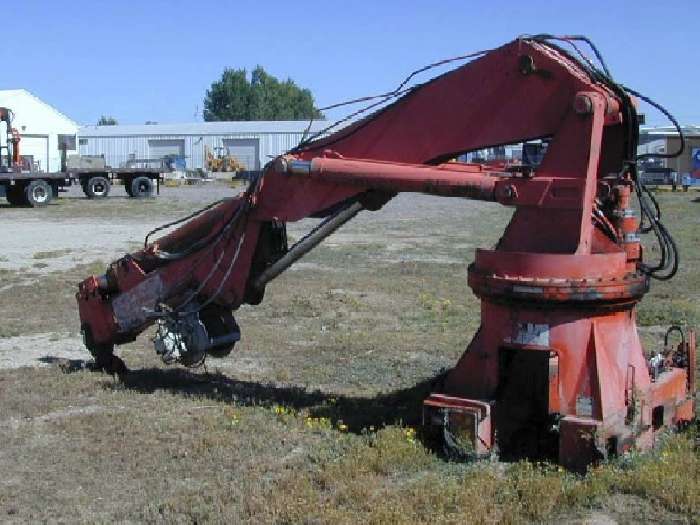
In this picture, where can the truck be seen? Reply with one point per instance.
(22, 185)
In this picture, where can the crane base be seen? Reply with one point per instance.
(469, 427)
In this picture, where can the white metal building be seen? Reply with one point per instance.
(252, 143)
(39, 126)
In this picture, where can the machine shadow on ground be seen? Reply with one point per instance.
(402, 406)
(398, 407)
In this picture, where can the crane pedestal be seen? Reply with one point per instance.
(557, 368)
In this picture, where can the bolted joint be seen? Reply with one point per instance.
(506, 193)
(583, 105)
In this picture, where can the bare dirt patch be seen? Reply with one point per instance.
(39, 350)
(77, 230)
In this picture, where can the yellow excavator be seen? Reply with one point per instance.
(222, 160)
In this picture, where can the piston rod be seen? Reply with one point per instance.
(308, 243)
(447, 180)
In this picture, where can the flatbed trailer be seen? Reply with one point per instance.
(39, 189)
(138, 182)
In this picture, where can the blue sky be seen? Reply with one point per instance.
(153, 60)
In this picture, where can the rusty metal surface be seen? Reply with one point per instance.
(131, 308)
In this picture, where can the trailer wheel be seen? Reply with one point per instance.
(15, 195)
(38, 193)
(97, 188)
(141, 187)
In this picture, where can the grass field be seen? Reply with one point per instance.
(314, 418)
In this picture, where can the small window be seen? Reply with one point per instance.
(82, 142)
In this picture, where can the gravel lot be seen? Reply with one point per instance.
(76, 230)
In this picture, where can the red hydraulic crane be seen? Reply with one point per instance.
(12, 145)
(557, 366)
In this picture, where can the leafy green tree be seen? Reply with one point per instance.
(263, 97)
(106, 120)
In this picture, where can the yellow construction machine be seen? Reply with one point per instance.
(221, 160)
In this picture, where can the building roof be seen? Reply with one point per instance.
(204, 128)
(9, 94)
(689, 130)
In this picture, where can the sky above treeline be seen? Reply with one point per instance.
(152, 60)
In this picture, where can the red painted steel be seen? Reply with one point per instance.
(557, 365)
(447, 180)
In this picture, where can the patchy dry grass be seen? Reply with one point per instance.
(678, 300)
(51, 254)
(172, 445)
(315, 417)
(36, 303)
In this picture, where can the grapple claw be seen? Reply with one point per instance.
(105, 359)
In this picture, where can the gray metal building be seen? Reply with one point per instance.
(664, 139)
(252, 143)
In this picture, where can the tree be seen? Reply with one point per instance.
(263, 97)
(106, 120)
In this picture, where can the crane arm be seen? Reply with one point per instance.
(190, 280)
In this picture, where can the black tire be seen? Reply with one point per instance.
(141, 188)
(38, 193)
(97, 187)
(127, 186)
(15, 195)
